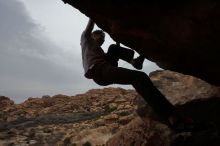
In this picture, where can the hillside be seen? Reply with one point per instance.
(100, 116)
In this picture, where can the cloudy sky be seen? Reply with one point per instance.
(40, 52)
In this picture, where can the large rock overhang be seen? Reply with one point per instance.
(182, 36)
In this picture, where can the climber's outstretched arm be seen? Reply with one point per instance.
(89, 27)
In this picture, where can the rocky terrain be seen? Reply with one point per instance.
(110, 116)
(61, 120)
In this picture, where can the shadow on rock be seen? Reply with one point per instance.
(206, 111)
(147, 129)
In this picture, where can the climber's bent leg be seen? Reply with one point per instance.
(106, 74)
(116, 52)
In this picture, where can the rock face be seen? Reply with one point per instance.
(180, 88)
(180, 36)
(110, 116)
(64, 120)
(192, 96)
(5, 102)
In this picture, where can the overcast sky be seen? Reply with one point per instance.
(40, 52)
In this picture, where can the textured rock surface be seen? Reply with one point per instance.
(180, 88)
(5, 102)
(192, 96)
(103, 114)
(63, 120)
(147, 132)
(182, 36)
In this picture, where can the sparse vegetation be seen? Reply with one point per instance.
(87, 144)
(124, 113)
(109, 109)
(66, 141)
(47, 130)
(11, 144)
(114, 130)
(31, 134)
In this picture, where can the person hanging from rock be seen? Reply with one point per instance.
(103, 69)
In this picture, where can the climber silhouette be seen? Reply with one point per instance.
(103, 69)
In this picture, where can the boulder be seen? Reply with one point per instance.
(192, 96)
(181, 36)
(5, 102)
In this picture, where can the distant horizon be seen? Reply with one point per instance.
(101, 88)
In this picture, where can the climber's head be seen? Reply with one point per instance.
(98, 36)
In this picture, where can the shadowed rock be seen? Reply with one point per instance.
(181, 36)
(192, 96)
(149, 131)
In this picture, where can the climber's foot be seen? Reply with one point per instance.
(138, 62)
